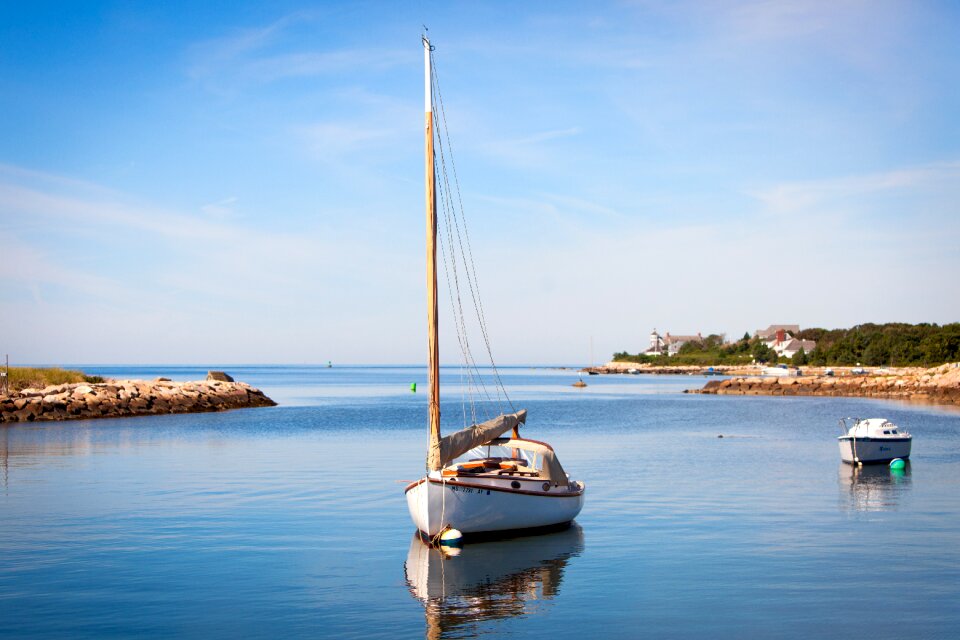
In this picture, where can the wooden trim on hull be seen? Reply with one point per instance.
(486, 487)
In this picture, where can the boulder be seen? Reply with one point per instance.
(219, 376)
(56, 398)
(27, 414)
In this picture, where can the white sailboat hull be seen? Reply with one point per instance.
(481, 507)
(874, 450)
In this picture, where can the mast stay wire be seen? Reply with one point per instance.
(466, 254)
(469, 267)
(451, 268)
(453, 226)
(468, 364)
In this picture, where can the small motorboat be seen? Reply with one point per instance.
(873, 440)
(780, 371)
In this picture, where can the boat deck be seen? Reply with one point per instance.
(492, 468)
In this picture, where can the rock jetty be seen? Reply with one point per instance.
(940, 385)
(615, 367)
(120, 398)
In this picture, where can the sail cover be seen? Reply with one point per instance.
(456, 444)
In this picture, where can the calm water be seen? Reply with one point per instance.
(291, 521)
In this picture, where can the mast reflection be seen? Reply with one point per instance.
(488, 580)
(873, 487)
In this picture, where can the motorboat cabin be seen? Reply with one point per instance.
(873, 440)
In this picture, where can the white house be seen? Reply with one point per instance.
(783, 343)
(770, 332)
(670, 344)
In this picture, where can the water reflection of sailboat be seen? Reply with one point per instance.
(488, 580)
(873, 488)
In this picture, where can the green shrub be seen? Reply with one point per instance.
(37, 377)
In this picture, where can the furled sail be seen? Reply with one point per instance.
(456, 444)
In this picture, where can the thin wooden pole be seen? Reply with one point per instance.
(433, 347)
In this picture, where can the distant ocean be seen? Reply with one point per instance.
(291, 521)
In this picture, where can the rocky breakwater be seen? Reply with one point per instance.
(616, 367)
(117, 398)
(939, 385)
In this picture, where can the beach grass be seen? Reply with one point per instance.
(40, 377)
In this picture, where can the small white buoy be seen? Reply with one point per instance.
(451, 537)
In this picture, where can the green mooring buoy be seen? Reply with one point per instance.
(897, 464)
(413, 387)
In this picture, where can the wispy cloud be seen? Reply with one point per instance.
(273, 52)
(311, 63)
(331, 141)
(208, 56)
(791, 197)
(532, 150)
(766, 20)
(216, 246)
(544, 136)
(120, 268)
(35, 268)
(594, 209)
(220, 209)
(376, 131)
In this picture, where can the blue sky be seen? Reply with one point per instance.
(242, 182)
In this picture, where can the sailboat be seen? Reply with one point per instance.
(478, 480)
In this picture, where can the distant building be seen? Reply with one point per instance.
(668, 344)
(770, 332)
(783, 343)
(656, 344)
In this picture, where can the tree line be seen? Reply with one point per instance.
(893, 344)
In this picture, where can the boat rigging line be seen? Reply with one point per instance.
(454, 218)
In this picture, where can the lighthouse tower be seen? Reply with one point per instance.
(656, 342)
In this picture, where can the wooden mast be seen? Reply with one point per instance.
(433, 358)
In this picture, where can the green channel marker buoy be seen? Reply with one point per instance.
(897, 464)
(413, 387)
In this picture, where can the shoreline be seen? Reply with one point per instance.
(937, 385)
(128, 398)
(633, 368)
